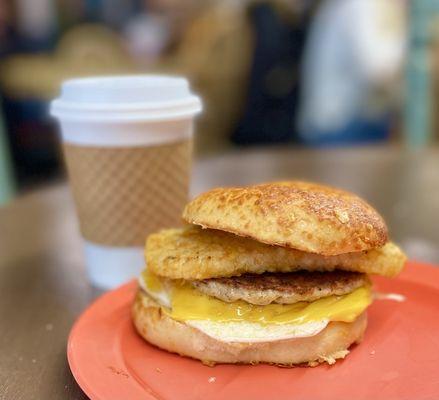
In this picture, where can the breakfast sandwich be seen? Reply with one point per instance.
(271, 273)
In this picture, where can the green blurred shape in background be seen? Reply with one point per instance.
(418, 114)
(7, 186)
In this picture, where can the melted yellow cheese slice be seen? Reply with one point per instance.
(152, 281)
(188, 304)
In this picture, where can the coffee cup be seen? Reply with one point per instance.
(127, 143)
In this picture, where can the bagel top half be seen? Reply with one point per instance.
(304, 216)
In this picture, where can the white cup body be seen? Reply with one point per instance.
(119, 112)
(125, 134)
(111, 266)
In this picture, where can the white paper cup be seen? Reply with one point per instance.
(127, 144)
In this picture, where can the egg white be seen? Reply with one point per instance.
(162, 297)
(250, 332)
(242, 332)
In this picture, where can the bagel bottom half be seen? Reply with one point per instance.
(163, 331)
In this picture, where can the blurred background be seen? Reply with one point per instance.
(296, 73)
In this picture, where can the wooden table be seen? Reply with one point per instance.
(42, 281)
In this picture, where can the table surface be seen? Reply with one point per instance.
(42, 279)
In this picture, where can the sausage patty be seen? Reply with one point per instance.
(282, 288)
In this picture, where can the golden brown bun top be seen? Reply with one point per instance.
(301, 215)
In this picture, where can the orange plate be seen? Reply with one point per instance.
(398, 358)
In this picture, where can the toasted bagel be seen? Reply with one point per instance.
(300, 215)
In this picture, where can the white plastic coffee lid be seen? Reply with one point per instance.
(126, 98)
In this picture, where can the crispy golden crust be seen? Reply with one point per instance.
(161, 330)
(300, 215)
(194, 253)
(282, 288)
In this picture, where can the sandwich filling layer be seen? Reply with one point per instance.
(240, 321)
(282, 288)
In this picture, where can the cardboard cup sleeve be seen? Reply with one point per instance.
(122, 194)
